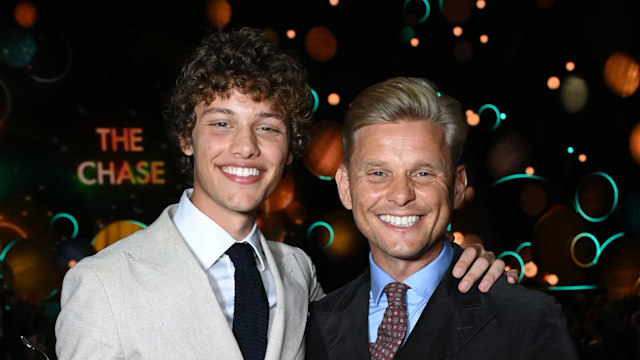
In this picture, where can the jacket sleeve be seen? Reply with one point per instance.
(548, 336)
(86, 327)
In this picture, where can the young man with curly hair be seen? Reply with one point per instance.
(240, 112)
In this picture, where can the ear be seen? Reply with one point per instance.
(342, 181)
(459, 186)
(187, 146)
(289, 157)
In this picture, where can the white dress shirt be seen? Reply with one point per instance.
(209, 242)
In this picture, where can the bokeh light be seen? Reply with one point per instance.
(25, 14)
(481, 4)
(297, 213)
(570, 149)
(406, 34)
(457, 31)
(530, 269)
(574, 94)
(18, 47)
(414, 42)
(334, 2)
(291, 34)
(28, 270)
(622, 74)
(325, 153)
(465, 240)
(582, 158)
(596, 196)
(272, 226)
(457, 11)
(219, 12)
(529, 170)
(509, 154)
(553, 82)
(533, 199)
(114, 232)
(570, 66)
(473, 119)
(282, 196)
(347, 239)
(52, 61)
(333, 99)
(551, 238)
(619, 267)
(484, 38)
(321, 44)
(551, 279)
(634, 143)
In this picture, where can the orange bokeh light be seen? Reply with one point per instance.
(634, 143)
(291, 34)
(219, 12)
(570, 66)
(473, 119)
(530, 269)
(334, 2)
(325, 153)
(333, 99)
(321, 44)
(481, 4)
(484, 38)
(414, 42)
(582, 158)
(529, 170)
(551, 279)
(457, 31)
(553, 83)
(622, 74)
(25, 14)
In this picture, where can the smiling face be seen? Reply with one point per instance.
(402, 189)
(240, 148)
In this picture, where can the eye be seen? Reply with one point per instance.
(221, 124)
(268, 128)
(376, 173)
(423, 173)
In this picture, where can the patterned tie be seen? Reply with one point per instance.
(394, 323)
(250, 306)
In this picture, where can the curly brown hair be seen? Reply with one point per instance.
(246, 61)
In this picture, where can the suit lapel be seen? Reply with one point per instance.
(344, 322)
(449, 321)
(178, 290)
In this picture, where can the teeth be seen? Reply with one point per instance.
(239, 171)
(403, 221)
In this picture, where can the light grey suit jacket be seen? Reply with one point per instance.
(147, 297)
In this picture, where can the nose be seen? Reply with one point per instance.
(244, 143)
(401, 191)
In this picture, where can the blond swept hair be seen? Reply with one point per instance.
(406, 98)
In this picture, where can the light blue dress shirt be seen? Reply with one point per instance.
(422, 285)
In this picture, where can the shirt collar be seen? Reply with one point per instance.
(207, 240)
(423, 281)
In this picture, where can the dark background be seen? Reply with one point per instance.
(112, 63)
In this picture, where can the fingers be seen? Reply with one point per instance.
(482, 263)
(512, 276)
(468, 256)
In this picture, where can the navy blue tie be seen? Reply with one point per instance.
(250, 307)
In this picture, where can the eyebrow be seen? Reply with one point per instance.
(225, 111)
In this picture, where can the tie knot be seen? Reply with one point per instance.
(241, 255)
(395, 292)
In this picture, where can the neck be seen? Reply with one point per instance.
(401, 268)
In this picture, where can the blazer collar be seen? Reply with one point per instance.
(450, 319)
(343, 324)
(178, 290)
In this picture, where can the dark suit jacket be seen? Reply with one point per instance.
(509, 322)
